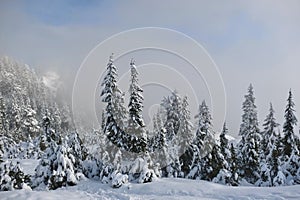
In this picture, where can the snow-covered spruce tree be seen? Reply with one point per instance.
(205, 136)
(12, 177)
(224, 145)
(186, 137)
(234, 179)
(268, 144)
(16, 120)
(185, 133)
(56, 168)
(249, 149)
(172, 107)
(115, 112)
(135, 122)
(203, 143)
(215, 166)
(30, 125)
(211, 164)
(63, 173)
(76, 151)
(3, 117)
(109, 85)
(56, 119)
(43, 171)
(290, 154)
(224, 174)
(277, 176)
(270, 134)
(113, 117)
(288, 128)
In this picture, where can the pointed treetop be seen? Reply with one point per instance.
(111, 58)
(271, 107)
(132, 62)
(225, 129)
(250, 90)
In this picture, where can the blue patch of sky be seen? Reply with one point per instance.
(68, 12)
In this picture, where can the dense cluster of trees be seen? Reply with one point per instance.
(32, 125)
(184, 149)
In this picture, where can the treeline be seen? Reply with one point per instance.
(266, 157)
(123, 149)
(25, 100)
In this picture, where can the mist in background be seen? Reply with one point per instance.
(251, 42)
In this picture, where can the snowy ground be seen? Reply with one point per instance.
(161, 189)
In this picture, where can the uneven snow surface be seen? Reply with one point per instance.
(161, 189)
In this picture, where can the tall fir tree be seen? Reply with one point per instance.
(115, 112)
(205, 136)
(185, 128)
(203, 144)
(224, 144)
(290, 154)
(270, 137)
(234, 179)
(136, 123)
(289, 139)
(172, 111)
(249, 148)
(269, 134)
(112, 95)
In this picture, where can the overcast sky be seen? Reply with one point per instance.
(251, 42)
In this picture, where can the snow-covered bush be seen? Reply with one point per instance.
(223, 177)
(118, 179)
(92, 168)
(56, 168)
(12, 177)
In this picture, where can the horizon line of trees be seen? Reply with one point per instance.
(262, 158)
(124, 150)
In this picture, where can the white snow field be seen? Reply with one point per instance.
(166, 188)
(161, 189)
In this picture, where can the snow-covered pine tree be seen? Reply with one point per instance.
(56, 168)
(234, 179)
(268, 144)
(135, 123)
(76, 151)
(172, 107)
(186, 137)
(269, 134)
(290, 154)
(43, 171)
(109, 85)
(249, 145)
(12, 177)
(172, 111)
(3, 117)
(15, 120)
(63, 173)
(185, 133)
(224, 145)
(214, 167)
(115, 112)
(30, 125)
(289, 139)
(274, 159)
(56, 119)
(203, 143)
(205, 136)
